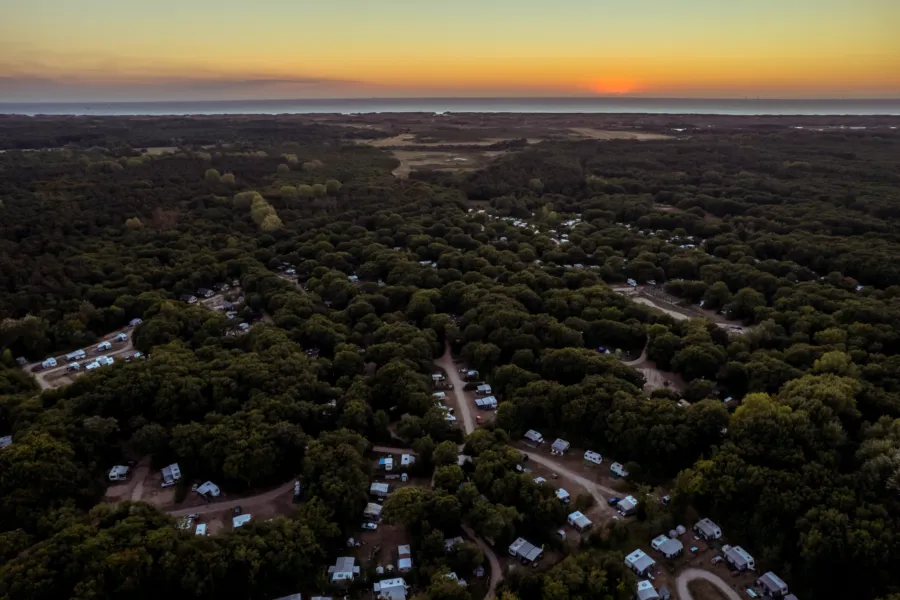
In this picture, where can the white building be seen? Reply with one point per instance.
(533, 436)
(559, 447)
(524, 550)
(344, 570)
(639, 562)
(77, 355)
(627, 506)
(391, 589)
(372, 511)
(668, 547)
(772, 585)
(404, 558)
(483, 389)
(208, 489)
(579, 521)
(381, 490)
(240, 521)
(171, 474)
(646, 591)
(739, 558)
(708, 530)
(486, 403)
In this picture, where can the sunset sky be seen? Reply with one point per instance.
(61, 50)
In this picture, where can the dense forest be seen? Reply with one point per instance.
(794, 234)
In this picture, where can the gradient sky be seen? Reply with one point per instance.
(61, 50)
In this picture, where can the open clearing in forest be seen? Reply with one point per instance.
(672, 313)
(603, 134)
(60, 375)
(463, 160)
(409, 139)
(656, 297)
(701, 589)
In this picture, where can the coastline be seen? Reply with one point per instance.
(456, 106)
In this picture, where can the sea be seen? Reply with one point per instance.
(613, 105)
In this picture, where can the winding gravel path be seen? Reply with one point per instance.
(465, 411)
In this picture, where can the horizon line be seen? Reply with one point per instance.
(466, 98)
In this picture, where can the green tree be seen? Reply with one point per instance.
(332, 187)
(288, 193)
(212, 176)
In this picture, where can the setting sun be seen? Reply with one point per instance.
(614, 85)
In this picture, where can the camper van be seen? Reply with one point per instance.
(77, 355)
(118, 473)
(593, 457)
(104, 346)
(617, 470)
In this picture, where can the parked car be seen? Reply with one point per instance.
(370, 526)
(613, 501)
(237, 511)
(478, 419)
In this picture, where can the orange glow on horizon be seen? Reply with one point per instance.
(58, 49)
(614, 85)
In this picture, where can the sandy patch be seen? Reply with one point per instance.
(667, 208)
(602, 134)
(440, 160)
(409, 139)
(701, 589)
(648, 302)
(660, 380)
(157, 150)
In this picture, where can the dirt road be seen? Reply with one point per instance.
(139, 475)
(244, 503)
(496, 572)
(446, 363)
(639, 361)
(595, 489)
(47, 379)
(689, 575)
(392, 450)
